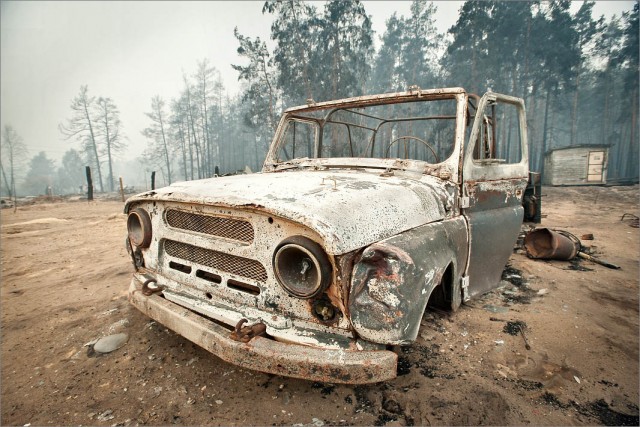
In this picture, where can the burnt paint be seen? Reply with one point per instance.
(495, 214)
(393, 279)
(267, 355)
(340, 214)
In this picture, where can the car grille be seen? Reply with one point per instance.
(233, 264)
(228, 228)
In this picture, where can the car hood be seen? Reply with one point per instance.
(349, 209)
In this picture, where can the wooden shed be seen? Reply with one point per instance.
(577, 165)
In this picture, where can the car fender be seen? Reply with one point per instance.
(392, 279)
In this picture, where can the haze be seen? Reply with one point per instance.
(132, 51)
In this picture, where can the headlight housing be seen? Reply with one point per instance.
(139, 228)
(302, 267)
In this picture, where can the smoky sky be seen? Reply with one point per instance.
(132, 51)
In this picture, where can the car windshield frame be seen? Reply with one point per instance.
(321, 114)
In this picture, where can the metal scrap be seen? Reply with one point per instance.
(147, 290)
(544, 243)
(524, 337)
(247, 333)
(632, 220)
(598, 261)
(514, 328)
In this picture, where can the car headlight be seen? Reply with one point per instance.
(139, 228)
(302, 267)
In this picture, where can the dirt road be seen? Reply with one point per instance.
(64, 278)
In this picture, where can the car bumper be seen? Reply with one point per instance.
(264, 354)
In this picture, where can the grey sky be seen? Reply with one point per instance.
(131, 51)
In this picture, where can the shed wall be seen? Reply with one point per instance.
(569, 166)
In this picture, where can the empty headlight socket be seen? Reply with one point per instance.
(139, 227)
(297, 260)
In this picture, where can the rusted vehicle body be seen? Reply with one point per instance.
(367, 211)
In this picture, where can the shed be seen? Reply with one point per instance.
(577, 165)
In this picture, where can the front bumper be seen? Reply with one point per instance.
(264, 354)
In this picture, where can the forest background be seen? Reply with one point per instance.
(578, 75)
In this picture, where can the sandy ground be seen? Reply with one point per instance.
(64, 278)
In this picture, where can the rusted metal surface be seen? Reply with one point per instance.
(266, 355)
(494, 217)
(543, 243)
(392, 280)
(228, 228)
(339, 210)
(598, 261)
(631, 219)
(389, 232)
(147, 290)
(247, 333)
(524, 337)
(396, 97)
(210, 288)
(493, 189)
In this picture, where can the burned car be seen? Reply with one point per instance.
(367, 211)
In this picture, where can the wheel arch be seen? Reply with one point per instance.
(447, 295)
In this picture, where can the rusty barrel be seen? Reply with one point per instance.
(548, 244)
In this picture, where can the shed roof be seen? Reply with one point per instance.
(578, 146)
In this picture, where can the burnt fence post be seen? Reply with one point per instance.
(121, 189)
(89, 184)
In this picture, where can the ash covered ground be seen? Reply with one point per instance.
(65, 274)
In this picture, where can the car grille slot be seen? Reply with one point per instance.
(234, 229)
(221, 261)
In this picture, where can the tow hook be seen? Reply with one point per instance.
(247, 333)
(148, 291)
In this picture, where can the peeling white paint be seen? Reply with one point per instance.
(346, 205)
(364, 210)
(295, 332)
(381, 291)
(429, 276)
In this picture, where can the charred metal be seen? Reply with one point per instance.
(367, 212)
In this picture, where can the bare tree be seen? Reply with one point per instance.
(179, 128)
(204, 86)
(7, 184)
(14, 153)
(159, 145)
(191, 114)
(80, 127)
(109, 128)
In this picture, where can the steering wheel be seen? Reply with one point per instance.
(425, 143)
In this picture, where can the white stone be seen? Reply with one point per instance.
(110, 343)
